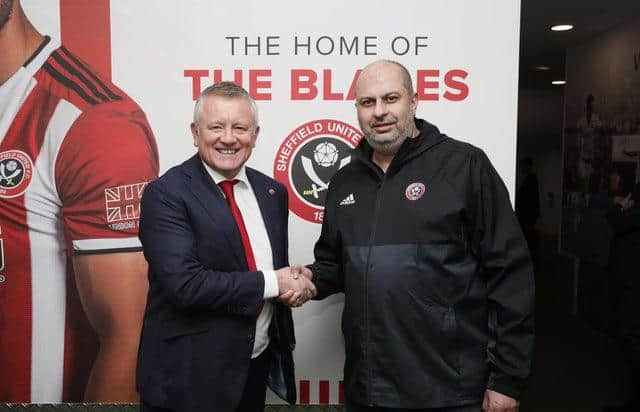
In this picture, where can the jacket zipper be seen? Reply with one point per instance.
(366, 285)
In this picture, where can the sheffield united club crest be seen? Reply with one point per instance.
(308, 158)
(16, 169)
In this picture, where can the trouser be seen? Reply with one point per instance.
(254, 392)
(256, 387)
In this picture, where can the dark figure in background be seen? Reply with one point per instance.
(528, 205)
(624, 259)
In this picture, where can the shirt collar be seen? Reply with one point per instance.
(218, 177)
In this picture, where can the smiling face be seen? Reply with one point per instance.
(225, 133)
(385, 107)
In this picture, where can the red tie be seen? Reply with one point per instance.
(227, 189)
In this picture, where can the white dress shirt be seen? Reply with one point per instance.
(261, 246)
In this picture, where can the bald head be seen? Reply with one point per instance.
(380, 67)
(386, 106)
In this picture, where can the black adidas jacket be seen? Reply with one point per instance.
(437, 277)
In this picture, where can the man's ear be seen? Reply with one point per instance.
(194, 133)
(414, 103)
(255, 136)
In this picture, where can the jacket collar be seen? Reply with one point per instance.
(218, 177)
(428, 137)
(212, 199)
(210, 196)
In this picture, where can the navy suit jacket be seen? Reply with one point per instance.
(203, 302)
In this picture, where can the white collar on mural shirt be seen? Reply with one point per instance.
(8, 89)
(16, 89)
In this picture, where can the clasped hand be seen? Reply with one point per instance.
(294, 285)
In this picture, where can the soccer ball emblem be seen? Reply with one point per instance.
(325, 154)
(12, 165)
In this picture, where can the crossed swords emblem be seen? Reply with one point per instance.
(8, 178)
(318, 185)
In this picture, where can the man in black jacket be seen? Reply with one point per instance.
(421, 237)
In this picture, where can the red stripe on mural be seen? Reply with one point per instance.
(85, 28)
(341, 392)
(323, 393)
(304, 392)
(25, 137)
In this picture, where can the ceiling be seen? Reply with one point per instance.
(540, 46)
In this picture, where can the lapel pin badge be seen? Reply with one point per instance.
(272, 191)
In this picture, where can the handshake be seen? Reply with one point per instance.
(294, 285)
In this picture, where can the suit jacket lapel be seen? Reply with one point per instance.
(213, 201)
(268, 203)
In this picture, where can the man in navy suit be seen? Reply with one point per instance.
(215, 235)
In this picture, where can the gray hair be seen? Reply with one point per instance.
(229, 90)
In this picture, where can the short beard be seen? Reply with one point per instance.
(391, 145)
(6, 9)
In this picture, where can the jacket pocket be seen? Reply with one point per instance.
(440, 328)
(176, 327)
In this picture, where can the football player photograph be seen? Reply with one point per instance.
(75, 155)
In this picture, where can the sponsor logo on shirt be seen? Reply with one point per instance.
(122, 205)
(349, 200)
(16, 170)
